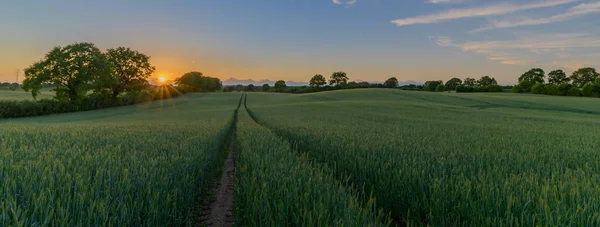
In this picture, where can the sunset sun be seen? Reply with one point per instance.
(162, 79)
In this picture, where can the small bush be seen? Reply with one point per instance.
(516, 89)
(588, 89)
(574, 91)
(440, 88)
(464, 88)
(538, 88)
(563, 89)
(551, 89)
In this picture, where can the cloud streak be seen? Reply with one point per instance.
(498, 9)
(344, 2)
(579, 10)
(445, 1)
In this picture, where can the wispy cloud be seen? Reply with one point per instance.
(506, 51)
(498, 9)
(445, 1)
(345, 2)
(579, 10)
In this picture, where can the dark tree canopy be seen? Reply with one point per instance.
(536, 75)
(250, 87)
(338, 78)
(583, 76)
(391, 82)
(317, 81)
(453, 83)
(195, 81)
(280, 86)
(486, 81)
(130, 70)
(432, 85)
(557, 77)
(265, 88)
(471, 82)
(71, 69)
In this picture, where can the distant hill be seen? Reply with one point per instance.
(234, 81)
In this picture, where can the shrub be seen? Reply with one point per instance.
(526, 85)
(574, 91)
(588, 89)
(551, 89)
(493, 88)
(516, 89)
(563, 89)
(538, 88)
(440, 88)
(464, 88)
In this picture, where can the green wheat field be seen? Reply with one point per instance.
(362, 157)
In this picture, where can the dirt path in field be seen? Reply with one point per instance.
(221, 208)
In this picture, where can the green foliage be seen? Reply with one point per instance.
(440, 88)
(471, 82)
(588, 89)
(538, 88)
(129, 71)
(392, 82)
(574, 91)
(276, 185)
(265, 88)
(447, 160)
(486, 81)
(563, 89)
(557, 77)
(280, 86)
(551, 89)
(517, 89)
(250, 87)
(464, 88)
(317, 81)
(432, 85)
(583, 76)
(526, 85)
(453, 83)
(129, 166)
(338, 78)
(535, 75)
(196, 82)
(71, 69)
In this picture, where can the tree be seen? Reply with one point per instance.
(574, 91)
(453, 83)
(526, 85)
(471, 82)
(583, 76)
(194, 81)
(432, 85)
(280, 86)
(338, 78)
(71, 69)
(317, 81)
(557, 77)
(563, 88)
(250, 87)
(588, 89)
(486, 80)
(536, 75)
(130, 70)
(538, 88)
(440, 88)
(265, 87)
(551, 89)
(392, 82)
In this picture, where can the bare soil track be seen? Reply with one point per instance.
(221, 208)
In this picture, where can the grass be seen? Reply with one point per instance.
(19, 94)
(452, 159)
(131, 166)
(277, 186)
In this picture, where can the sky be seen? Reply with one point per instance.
(370, 40)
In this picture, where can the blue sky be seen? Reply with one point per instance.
(293, 40)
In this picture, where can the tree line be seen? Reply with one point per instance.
(582, 82)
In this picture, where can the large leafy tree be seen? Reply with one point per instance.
(453, 83)
(280, 85)
(432, 85)
(583, 76)
(536, 75)
(71, 69)
(557, 77)
(391, 82)
(317, 81)
(195, 81)
(266, 87)
(471, 82)
(338, 78)
(486, 80)
(130, 70)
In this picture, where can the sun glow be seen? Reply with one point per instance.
(162, 79)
